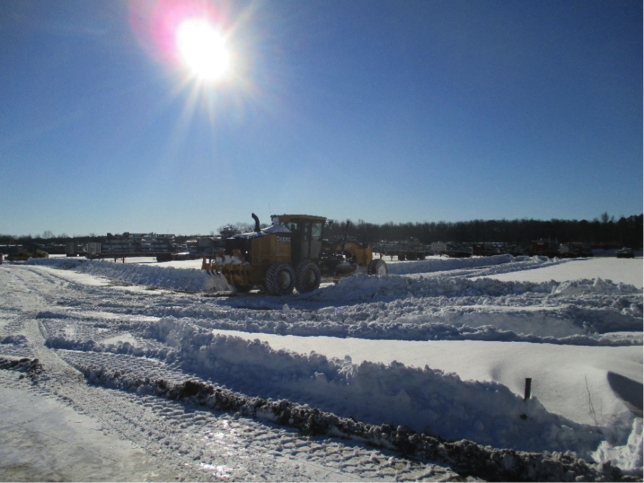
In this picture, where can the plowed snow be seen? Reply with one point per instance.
(441, 347)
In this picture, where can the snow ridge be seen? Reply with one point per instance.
(188, 279)
(422, 399)
(464, 456)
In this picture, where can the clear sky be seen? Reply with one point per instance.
(380, 110)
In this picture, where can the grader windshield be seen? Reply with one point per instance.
(306, 238)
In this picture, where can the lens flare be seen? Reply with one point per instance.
(187, 35)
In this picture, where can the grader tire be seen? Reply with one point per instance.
(377, 267)
(280, 279)
(308, 276)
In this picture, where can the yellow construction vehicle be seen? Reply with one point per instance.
(26, 254)
(289, 254)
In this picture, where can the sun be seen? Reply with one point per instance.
(202, 49)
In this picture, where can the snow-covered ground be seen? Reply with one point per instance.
(439, 347)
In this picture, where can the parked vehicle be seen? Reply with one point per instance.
(625, 253)
(574, 250)
(26, 254)
(412, 249)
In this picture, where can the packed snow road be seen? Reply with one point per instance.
(211, 387)
(197, 445)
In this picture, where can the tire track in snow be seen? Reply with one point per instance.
(317, 458)
(201, 445)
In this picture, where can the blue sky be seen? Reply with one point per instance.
(375, 110)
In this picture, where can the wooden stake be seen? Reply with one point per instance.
(528, 388)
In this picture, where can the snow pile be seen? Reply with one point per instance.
(446, 325)
(574, 287)
(32, 368)
(444, 264)
(473, 267)
(468, 457)
(158, 277)
(422, 399)
(627, 457)
(367, 288)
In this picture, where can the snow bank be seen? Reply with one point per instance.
(627, 457)
(422, 399)
(439, 307)
(150, 276)
(467, 457)
(367, 288)
(444, 264)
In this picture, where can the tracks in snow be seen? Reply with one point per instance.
(199, 444)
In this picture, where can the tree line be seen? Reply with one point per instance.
(601, 232)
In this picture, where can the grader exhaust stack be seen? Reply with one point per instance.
(257, 228)
(290, 254)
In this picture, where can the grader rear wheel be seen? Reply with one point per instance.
(308, 276)
(280, 279)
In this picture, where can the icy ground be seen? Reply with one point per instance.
(372, 378)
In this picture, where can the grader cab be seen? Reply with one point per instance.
(289, 254)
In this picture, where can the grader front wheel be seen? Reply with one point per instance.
(280, 279)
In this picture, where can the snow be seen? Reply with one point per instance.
(75, 443)
(615, 269)
(440, 345)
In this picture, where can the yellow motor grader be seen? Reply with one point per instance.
(289, 254)
(26, 254)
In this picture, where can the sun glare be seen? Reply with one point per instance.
(202, 49)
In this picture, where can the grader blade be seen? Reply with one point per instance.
(232, 268)
(210, 266)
